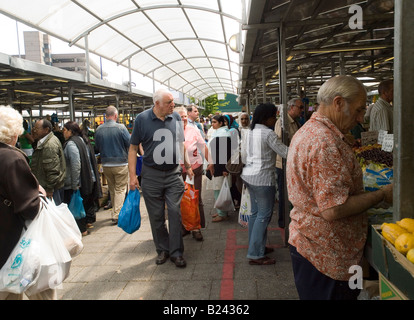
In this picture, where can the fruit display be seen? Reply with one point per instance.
(402, 238)
(373, 154)
(410, 255)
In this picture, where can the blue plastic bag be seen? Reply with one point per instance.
(76, 205)
(139, 166)
(129, 218)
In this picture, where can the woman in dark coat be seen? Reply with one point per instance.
(19, 192)
(81, 172)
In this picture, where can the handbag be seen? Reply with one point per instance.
(224, 200)
(245, 207)
(76, 205)
(235, 165)
(129, 218)
(190, 212)
(40, 260)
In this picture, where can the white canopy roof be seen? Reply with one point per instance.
(183, 44)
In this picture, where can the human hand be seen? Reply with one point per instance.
(133, 183)
(42, 190)
(388, 193)
(190, 173)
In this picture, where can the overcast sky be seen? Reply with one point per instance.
(10, 43)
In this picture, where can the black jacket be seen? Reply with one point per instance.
(19, 197)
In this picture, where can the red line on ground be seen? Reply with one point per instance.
(227, 276)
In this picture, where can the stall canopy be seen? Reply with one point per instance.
(183, 44)
(322, 38)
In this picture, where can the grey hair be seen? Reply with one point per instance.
(111, 111)
(11, 124)
(346, 87)
(159, 94)
(292, 102)
(180, 109)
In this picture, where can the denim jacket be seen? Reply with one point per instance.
(112, 142)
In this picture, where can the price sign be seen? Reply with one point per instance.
(369, 137)
(388, 143)
(381, 135)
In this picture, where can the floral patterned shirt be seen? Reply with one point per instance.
(322, 172)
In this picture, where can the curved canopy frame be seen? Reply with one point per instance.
(174, 42)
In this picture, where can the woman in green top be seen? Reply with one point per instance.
(26, 141)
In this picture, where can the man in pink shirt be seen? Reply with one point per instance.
(329, 227)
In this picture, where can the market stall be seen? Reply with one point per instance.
(389, 249)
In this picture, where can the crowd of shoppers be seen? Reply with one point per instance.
(324, 180)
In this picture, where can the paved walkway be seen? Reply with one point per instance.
(115, 265)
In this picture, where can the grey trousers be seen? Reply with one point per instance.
(161, 188)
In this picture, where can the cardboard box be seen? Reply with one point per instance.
(388, 291)
(392, 265)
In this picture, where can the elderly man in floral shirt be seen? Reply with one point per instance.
(328, 228)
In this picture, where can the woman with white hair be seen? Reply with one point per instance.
(19, 193)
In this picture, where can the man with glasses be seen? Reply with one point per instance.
(294, 109)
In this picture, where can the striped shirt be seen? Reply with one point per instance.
(262, 146)
(381, 116)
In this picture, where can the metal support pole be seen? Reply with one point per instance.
(88, 66)
(71, 105)
(403, 114)
(283, 100)
(264, 83)
(129, 75)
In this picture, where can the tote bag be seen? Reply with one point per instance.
(224, 201)
(129, 218)
(76, 205)
(190, 213)
(245, 207)
(39, 261)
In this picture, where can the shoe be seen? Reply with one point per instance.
(269, 250)
(114, 221)
(179, 261)
(108, 206)
(197, 235)
(262, 261)
(89, 225)
(162, 257)
(215, 215)
(219, 219)
(86, 233)
(184, 232)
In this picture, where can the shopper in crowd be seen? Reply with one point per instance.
(193, 118)
(161, 133)
(328, 228)
(197, 151)
(19, 194)
(112, 142)
(294, 108)
(81, 173)
(233, 129)
(219, 148)
(381, 115)
(26, 140)
(48, 161)
(260, 178)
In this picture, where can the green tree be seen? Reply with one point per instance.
(211, 105)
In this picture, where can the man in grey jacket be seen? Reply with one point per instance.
(112, 142)
(48, 161)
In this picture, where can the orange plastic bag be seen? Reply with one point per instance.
(190, 213)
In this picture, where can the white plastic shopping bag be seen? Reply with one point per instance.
(66, 224)
(40, 260)
(245, 207)
(224, 201)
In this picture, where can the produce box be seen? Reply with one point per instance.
(388, 291)
(391, 264)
